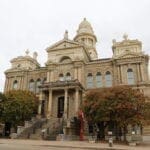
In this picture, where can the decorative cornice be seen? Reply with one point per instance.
(62, 84)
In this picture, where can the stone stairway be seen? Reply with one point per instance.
(52, 128)
(25, 134)
(49, 130)
(146, 130)
(146, 134)
(43, 129)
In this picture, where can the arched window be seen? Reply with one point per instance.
(15, 84)
(99, 80)
(38, 83)
(130, 76)
(108, 79)
(68, 76)
(32, 85)
(61, 77)
(89, 80)
(65, 59)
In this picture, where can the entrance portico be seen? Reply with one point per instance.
(61, 98)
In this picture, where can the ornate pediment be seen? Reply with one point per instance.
(63, 44)
(129, 55)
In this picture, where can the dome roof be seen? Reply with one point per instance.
(85, 27)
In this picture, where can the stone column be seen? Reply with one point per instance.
(76, 73)
(121, 75)
(118, 73)
(141, 72)
(138, 73)
(19, 83)
(51, 76)
(48, 76)
(40, 103)
(79, 74)
(65, 103)
(11, 82)
(143, 65)
(76, 100)
(50, 100)
(6, 85)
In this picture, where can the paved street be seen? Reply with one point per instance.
(32, 147)
(9, 144)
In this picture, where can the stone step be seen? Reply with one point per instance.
(35, 137)
(51, 127)
(51, 137)
(146, 133)
(50, 131)
(146, 130)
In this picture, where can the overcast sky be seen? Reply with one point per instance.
(36, 24)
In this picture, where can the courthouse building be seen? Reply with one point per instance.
(73, 66)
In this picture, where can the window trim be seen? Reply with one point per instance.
(15, 84)
(89, 81)
(130, 76)
(99, 81)
(32, 89)
(68, 76)
(108, 79)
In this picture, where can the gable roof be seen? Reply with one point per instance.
(65, 43)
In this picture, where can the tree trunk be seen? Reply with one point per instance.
(124, 132)
(117, 132)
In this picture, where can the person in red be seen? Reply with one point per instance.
(81, 117)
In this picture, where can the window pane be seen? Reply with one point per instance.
(61, 77)
(130, 76)
(15, 84)
(108, 79)
(89, 81)
(32, 86)
(68, 76)
(98, 80)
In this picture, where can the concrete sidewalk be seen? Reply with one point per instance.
(73, 144)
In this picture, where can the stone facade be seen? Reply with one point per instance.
(73, 66)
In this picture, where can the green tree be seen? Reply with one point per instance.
(18, 106)
(2, 99)
(121, 105)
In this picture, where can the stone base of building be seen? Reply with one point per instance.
(63, 137)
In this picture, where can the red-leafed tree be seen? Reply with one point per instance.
(121, 105)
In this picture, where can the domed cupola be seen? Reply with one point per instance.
(85, 35)
(85, 27)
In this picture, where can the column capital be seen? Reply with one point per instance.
(77, 88)
(66, 88)
(50, 90)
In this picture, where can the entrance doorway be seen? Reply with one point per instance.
(60, 107)
(43, 108)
